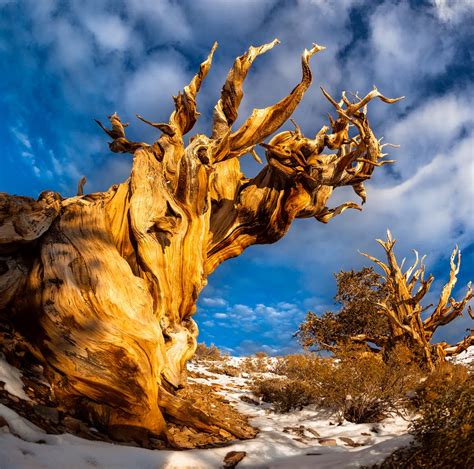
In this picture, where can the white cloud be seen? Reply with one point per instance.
(164, 21)
(211, 301)
(429, 129)
(72, 49)
(250, 347)
(436, 201)
(110, 31)
(406, 47)
(453, 11)
(150, 88)
(21, 137)
(242, 309)
(221, 16)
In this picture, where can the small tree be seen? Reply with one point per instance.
(386, 311)
(358, 320)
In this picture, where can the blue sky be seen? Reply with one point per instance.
(65, 62)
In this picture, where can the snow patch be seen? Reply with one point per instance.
(465, 358)
(11, 377)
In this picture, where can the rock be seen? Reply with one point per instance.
(48, 413)
(366, 434)
(327, 441)
(233, 458)
(3, 422)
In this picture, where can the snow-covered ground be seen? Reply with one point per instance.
(465, 358)
(300, 439)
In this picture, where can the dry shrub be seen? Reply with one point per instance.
(224, 369)
(358, 386)
(305, 367)
(444, 432)
(247, 365)
(211, 352)
(297, 386)
(257, 364)
(285, 394)
(363, 388)
(261, 354)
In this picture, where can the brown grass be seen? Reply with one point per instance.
(357, 387)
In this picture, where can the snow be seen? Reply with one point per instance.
(11, 377)
(285, 440)
(465, 358)
(274, 447)
(26, 446)
(337, 457)
(23, 445)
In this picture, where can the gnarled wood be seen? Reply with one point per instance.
(404, 310)
(104, 286)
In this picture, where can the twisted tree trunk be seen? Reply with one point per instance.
(103, 286)
(404, 310)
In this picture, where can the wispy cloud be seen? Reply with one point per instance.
(454, 11)
(210, 301)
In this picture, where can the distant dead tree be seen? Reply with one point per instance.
(103, 286)
(385, 312)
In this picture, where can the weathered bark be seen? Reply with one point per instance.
(404, 310)
(104, 286)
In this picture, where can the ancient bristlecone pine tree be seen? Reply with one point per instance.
(103, 286)
(403, 308)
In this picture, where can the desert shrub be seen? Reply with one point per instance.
(261, 354)
(248, 365)
(356, 385)
(211, 352)
(363, 388)
(254, 364)
(444, 432)
(224, 369)
(285, 394)
(306, 367)
(299, 382)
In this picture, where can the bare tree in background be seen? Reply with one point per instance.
(385, 311)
